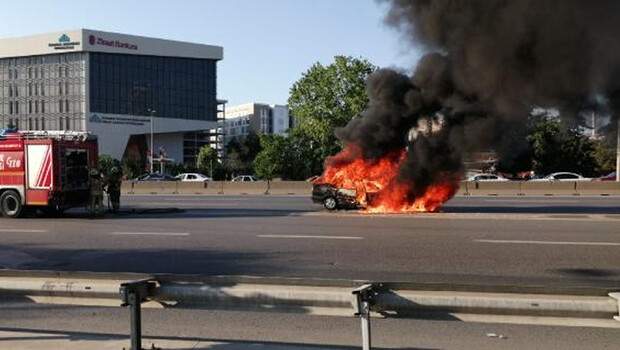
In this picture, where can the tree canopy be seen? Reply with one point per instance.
(326, 98)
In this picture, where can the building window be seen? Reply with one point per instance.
(60, 106)
(59, 88)
(67, 124)
(30, 89)
(16, 107)
(36, 123)
(42, 123)
(29, 123)
(36, 107)
(67, 88)
(67, 106)
(59, 71)
(42, 89)
(30, 73)
(42, 106)
(29, 107)
(10, 107)
(60, 124)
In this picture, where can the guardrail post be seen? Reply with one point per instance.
(364, 297)
(133, 294)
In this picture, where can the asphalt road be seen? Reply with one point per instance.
(546, 241)
(38, 326)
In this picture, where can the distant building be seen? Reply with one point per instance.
(258, 118)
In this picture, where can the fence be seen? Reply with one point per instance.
(355, 298)
(467, 188)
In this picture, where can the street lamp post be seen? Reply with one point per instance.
(152, 113)
(618, 151)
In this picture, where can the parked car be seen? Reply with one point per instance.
(609, 177)
(562, 176)
(155, 177)
(334, 198)
(193, 177)
(487, 177)
(244, 178)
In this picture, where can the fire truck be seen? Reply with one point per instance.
(47, 170)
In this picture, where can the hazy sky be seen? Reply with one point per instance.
(267, 43)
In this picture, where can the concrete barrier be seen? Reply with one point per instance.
(598, 188)
(302, 188)
(482, 188)
(201, 188)
(290, 188)
(241, 188)
(549, 188)
(154, 187)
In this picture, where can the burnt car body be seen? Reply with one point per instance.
(334, 198)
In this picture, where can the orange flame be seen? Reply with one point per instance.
(378, 188)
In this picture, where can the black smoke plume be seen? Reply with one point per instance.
(489, 64)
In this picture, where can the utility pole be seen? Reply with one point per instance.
(152, 113)
(618, 151)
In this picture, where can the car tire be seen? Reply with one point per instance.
(330, 203)
(11, 204)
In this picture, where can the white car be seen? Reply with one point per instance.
(563, 176)
(487, 177)
(244, 178)
(193, 177)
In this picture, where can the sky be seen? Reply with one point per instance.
(268, 44)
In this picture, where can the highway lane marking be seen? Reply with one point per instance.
(310, 237)
(498, 241)
(7, 230)
(178, 234)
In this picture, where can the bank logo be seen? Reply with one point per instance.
(95, 118)
(64, 43)
(92, 40)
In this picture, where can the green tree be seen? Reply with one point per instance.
(132, 167)
(106, 163)
(605, 156)
(270, 161)
(325, 98)
(557, 149)
(207, 160)
(240, 154)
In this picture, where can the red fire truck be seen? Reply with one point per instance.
(46, 170)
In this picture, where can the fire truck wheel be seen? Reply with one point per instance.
(11, 204)
(330, 203)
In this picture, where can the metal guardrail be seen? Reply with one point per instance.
(467, 188)
(293, 295)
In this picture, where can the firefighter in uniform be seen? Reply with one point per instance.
(96, 193)
(113, 187)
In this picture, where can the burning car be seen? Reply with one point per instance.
(334, 198)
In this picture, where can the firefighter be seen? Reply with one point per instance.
(113, 187)
(96, 193)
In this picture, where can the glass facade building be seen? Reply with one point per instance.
(182, 88)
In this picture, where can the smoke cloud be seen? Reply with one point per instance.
(489, 63)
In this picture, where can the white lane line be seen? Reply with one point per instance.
(612, 244)
(21, 230)
(180, 234)
(309, 237)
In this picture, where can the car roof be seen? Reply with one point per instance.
(563, 173)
